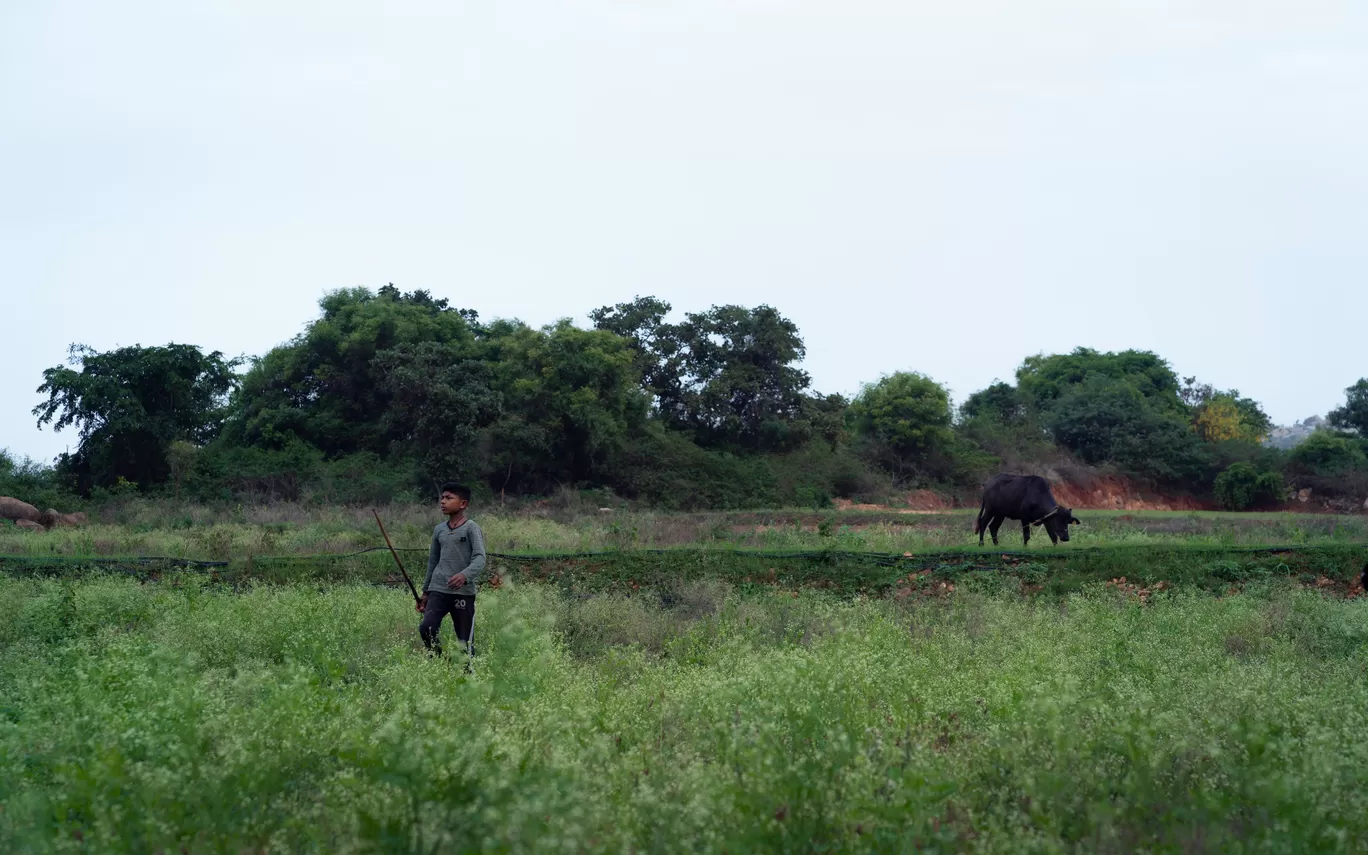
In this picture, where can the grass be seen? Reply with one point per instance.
(236, 532)
(697, 715)
(711, 682)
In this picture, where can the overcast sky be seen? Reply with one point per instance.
(943, 187)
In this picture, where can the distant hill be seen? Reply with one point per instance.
(1289, 437)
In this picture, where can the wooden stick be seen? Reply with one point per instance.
(414, 590)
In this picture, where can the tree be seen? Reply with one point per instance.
(130, 404)
(1219, 416)
(439, 400)
(1108, 420)
(1221, 419)
(904, 419)
(999, 402)
(1129, 409)
(657, 345)
(324, 388)
(740, 386)
(825, 415)
(571, 398)
(1354, 414)
(1327, 454)
(1043, 380)
(727, 375)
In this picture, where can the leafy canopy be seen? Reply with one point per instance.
(1353, 415)
(1326, 454)
(904, 420)
(323, 386)
(129, 405)
(728, 375)
(1044, 380)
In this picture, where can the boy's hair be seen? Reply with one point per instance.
(460, 491)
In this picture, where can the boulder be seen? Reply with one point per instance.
(51, 519)
(1304, 495)
(30, 525)
(13, 509)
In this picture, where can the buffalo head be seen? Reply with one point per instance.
(1057, 524)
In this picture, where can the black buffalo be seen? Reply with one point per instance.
(1026, 498)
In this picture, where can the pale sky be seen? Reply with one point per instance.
(941, 187)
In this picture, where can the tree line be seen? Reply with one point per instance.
(386, 394)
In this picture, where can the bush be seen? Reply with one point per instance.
(1241, 487)
(299, 472)
(665, 469)
(35, 483)
(1328, 454)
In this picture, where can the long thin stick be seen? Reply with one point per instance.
(396, 556)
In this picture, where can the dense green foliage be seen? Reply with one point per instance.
(1242, 487)
(386, 394)
(130, 404)
(1353, 415)
(1324, 453)
(904, 419)
(39, 485)
(727, 375)
(177, 718)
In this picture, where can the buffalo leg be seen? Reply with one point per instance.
(1025, 533)
(993, 528)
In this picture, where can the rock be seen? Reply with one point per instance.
(605, 510)
(1290, 436)
(29, 525)
(1304, 495)
(50, 518)
(1365, 504)
(13, 509)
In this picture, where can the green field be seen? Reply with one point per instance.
(702, 699)
(161, 528)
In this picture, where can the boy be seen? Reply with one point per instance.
(455, 562)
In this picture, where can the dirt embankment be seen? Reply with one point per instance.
(1103, 492)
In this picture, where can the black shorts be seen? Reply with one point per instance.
(439, 605)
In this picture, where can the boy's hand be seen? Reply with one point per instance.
(422, 604)
(457, 581)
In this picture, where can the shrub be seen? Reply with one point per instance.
(299, 472)
(35, 483)
(1327, 454)
(1241, 487)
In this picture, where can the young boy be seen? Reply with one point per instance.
(455, 562)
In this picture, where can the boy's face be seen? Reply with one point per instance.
(451, 504)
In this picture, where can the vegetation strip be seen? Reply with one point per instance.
(712, 718)
(1330, 567)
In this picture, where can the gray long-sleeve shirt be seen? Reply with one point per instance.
(455, 550)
